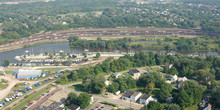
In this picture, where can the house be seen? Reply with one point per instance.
(209, 107)
(116, 75)
(131, 96)
(183, 79)
(149, 71)
(73, 107)
(169, 100)
(179, 84)
(107, 82)
(174, 78)
(91, 96)
(134, 72)
(145, 99)
(168, 65)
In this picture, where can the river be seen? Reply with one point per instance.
(56, 47)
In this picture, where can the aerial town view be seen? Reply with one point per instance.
(109, 54)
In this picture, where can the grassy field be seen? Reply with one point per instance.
(194, 107)
(3, 85)
(78, 87)
(30, 98)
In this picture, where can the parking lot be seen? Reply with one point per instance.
(99, 106)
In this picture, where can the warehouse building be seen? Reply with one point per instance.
(28, 73)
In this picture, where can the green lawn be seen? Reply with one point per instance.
(3, 85)
(78, 87)
(30, 98)
(9, 72)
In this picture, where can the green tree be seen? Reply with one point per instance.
(164, 92)
(158, 42)
(154, 106)
(72, 98)
(45, 53)
(84, 54)
(98, 55)
(84, 99)
(149, 88)
(172, 107)
(6, 62)
(69, 62)
(62, 54)
(204, 76)
(183, 99)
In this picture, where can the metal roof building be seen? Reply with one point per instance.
(28, 73)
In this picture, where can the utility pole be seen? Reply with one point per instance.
(130, 103)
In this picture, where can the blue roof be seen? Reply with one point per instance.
(28, 88)
(46, 80)
(58, 72)
(38, 83)
(24, 91)
(59, 75)
(15, 73)
(4, 103)
(0, 103)
(45, 72)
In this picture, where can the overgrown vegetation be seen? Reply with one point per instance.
(169, 43)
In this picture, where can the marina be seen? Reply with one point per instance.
(55, 48)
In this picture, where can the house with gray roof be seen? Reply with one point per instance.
(131, 96)
(145, 99)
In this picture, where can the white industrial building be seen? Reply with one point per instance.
(26, 73)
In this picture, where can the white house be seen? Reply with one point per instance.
(135, 96)
(117, 93)
(134, 72)
(174, 78)
(131, 96)
(91, 96)
(107, 82)
(145, 99)
(117, 75)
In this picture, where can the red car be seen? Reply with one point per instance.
(97, 106)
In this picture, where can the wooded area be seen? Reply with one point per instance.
(23, 19)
